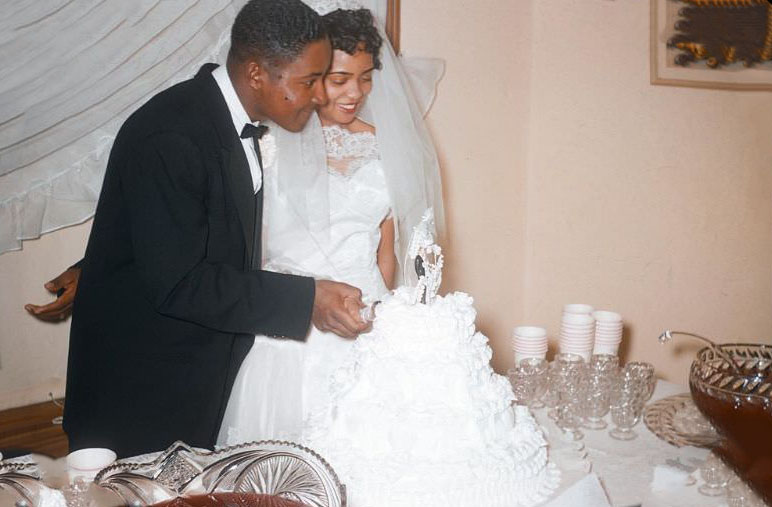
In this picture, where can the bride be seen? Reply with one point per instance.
(342, 210)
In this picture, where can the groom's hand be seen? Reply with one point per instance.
(333, 309)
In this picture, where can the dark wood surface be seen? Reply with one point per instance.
(31, 429)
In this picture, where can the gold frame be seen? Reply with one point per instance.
(661, 74)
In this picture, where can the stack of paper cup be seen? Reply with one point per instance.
(529, 341)
(608, 332)
(577, 331)
(578, 308)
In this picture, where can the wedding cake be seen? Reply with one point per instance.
(419, 418)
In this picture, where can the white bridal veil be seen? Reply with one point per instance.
(74, 70)
(395, 107)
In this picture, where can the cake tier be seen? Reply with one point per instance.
(418, 416)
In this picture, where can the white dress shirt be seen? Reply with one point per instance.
(240, 118)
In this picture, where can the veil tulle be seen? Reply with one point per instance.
(406, 149)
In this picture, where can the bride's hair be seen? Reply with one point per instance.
(353, 30)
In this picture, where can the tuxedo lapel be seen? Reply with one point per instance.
(234, 160)
(239, 178)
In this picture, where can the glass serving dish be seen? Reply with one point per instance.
(737, 400)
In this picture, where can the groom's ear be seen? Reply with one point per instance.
(257, 75)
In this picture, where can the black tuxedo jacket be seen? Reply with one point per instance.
(167, 303)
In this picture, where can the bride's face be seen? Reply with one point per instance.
(348, 83)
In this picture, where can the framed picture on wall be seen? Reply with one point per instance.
(712, 43)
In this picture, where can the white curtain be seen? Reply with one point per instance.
(73, 70)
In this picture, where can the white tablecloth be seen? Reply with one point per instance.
(627, 469)
(598, 463)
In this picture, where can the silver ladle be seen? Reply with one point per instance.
(668, 335)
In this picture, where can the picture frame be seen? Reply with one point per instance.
(725, 73)
(392, 23)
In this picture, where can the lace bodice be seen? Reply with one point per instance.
(348, 151)
(358, 204)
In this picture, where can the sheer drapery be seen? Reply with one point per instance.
(73, 70)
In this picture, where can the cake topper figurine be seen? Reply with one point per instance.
(428, 259)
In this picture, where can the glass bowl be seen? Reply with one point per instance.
(739, 405)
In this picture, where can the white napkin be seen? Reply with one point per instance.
(667, 477)
(587, 492)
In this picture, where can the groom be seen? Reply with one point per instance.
(171, 293)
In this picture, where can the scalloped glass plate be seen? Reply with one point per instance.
(678, 421)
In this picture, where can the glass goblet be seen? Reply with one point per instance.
(646, 375)
(520, 388)
(571, 386)
(625, 414)
(568, 415)
(535, 370)
(715, 474)
(601, 374)
(739, 494)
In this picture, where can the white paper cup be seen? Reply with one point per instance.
(585, 353)
(577, 319)
(530, 332)
(606, 348)
(87, 463)
(578, 308)
(519, 356)
(606, 316)
(519, 346)
(529, 350)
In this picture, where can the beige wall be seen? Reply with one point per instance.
(568, 178)
(33, 354)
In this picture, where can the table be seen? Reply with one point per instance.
(627, 469)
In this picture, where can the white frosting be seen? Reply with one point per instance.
(418, 417)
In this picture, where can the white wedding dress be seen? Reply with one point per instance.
(282, 382)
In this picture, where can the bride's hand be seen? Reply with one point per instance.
(336, 309)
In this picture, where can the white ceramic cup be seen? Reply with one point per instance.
(87, 463)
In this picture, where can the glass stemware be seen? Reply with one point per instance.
(76, 494)
(601, 374)
(528, 380)
(570, 382)
(627, 400)
(646, 375)
(715, 474)
(535, 370)
(520, 389)
(739, 494)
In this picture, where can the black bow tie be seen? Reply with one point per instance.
(255, 132)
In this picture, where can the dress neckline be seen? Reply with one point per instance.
(348, 151)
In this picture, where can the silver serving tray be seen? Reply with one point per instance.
(280, 468)
(20, 481)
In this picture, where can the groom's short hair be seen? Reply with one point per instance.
(274, 31)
